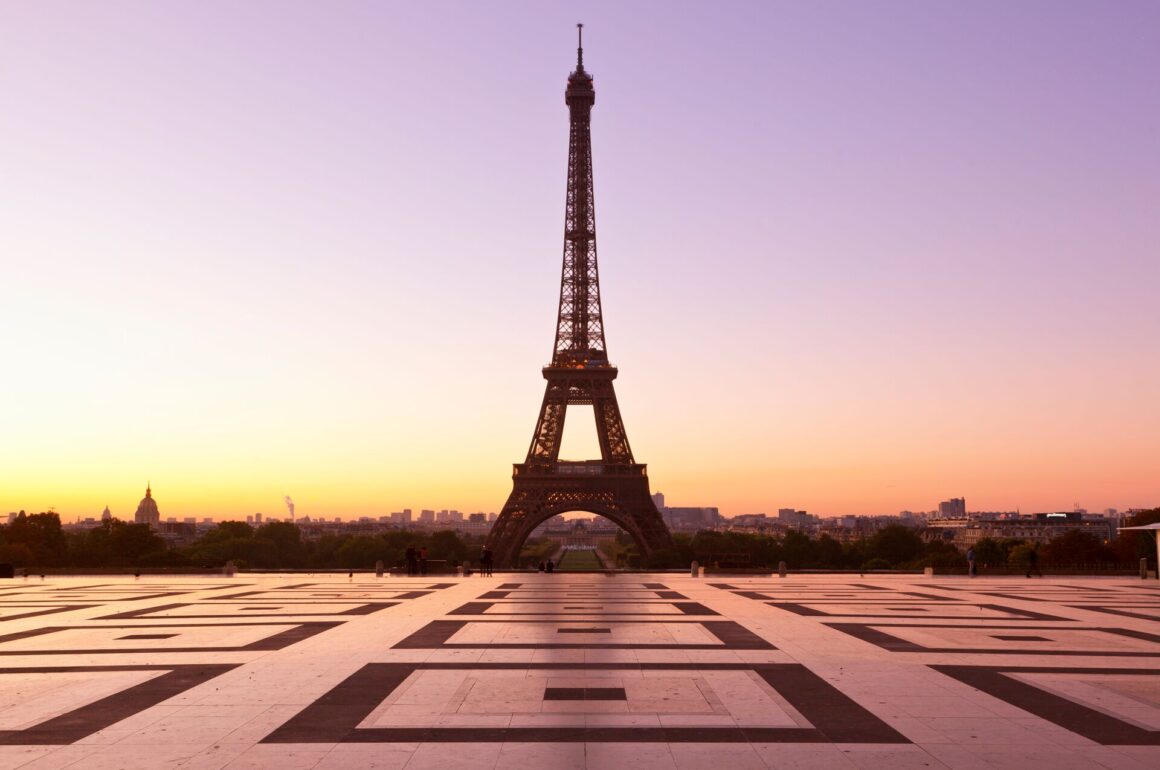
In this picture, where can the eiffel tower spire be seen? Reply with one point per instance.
(615, 486)
(580, 325)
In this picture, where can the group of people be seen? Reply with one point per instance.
(485, 562)
(547, 565)
(416, 560)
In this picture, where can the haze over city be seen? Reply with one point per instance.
(852, 262)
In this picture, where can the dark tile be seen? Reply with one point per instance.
(334, 717)
(873, 633)
(278, 641)
(287, 610)
(1094, 725)
(731, 634)
(584, 693)
(81, 722)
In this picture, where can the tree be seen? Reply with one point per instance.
(895, 544)
(1019, 557)
(988, 553)
(285, 548)
(1130, 547)
(1075, 548)
(40, 534)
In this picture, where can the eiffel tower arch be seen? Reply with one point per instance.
(615, 486)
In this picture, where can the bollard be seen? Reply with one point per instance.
(379, 568)
(694, 569)
(781, 569)
(1144, 568)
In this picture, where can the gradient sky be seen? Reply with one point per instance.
(855, 257)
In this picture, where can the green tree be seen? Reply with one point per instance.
(1130, 547)
(895, 544)
(40, 534)
(1020, 556)
(1076, 548)
(988, 553)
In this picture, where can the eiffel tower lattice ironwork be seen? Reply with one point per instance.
(615, 486)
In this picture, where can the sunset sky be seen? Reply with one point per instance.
(855, 257)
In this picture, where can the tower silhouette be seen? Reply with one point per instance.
(615, 486)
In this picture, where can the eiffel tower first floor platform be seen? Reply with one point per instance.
(619, 493)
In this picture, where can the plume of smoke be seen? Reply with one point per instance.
(290, 507)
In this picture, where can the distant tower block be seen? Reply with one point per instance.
(147, 512)
(615, 486)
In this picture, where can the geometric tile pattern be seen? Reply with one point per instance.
(574, 671)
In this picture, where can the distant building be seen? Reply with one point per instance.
(794, 518)
(955, 508)
(147, 512)
(427, 516)
(106, 515)
(1035, 527)
(688, 518)
(659, 500)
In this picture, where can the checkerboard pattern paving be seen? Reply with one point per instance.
(579, 671)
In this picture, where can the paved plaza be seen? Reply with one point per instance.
(579, 671)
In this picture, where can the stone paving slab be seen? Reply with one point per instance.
(579, 671)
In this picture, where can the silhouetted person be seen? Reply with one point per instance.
(412, 561)
(423, 560)
(549, 566)
(1033, 563)
(970, 562)
(485, 560)
(542, 566)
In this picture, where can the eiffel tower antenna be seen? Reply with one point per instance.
(615, 486)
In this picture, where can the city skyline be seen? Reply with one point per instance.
(854, 261)
(441, 513)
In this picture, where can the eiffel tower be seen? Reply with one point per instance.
(615, 486)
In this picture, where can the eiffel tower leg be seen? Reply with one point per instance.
(622, 498)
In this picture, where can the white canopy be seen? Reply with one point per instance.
(1153, 526)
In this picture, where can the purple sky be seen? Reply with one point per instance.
(855, 257)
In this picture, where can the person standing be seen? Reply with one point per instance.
(423, 560)
(412, 561)
(971, 562)
(1033, 562)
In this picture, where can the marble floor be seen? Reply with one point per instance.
(579, 671)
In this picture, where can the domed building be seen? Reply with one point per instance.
(147, 512)
(106, 514)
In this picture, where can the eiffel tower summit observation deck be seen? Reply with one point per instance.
(615, 486)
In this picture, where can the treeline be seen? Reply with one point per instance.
(38, 541)
(895, 547)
